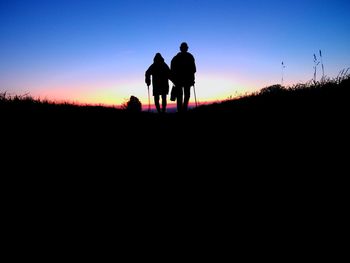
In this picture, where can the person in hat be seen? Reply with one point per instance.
(183, 69)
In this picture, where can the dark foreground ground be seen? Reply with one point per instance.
(275, 128)
(269, 169)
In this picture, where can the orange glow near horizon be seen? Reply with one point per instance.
(209, 88)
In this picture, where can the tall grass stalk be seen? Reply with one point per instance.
(316, 63)
(322, 65)
(283, 67)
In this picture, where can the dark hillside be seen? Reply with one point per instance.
(274, 157)
(300, 122)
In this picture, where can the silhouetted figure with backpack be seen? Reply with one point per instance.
(183, 69)
(160, 73)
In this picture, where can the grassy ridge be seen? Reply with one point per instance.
(289, 142)
(292, 98)
(305, 96)
(298, 114)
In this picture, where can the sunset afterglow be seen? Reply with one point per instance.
(96, 52)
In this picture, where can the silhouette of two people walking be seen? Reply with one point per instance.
(181, 73)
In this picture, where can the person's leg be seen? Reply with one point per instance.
(179, 99)
(164, 103)
(187, 91)
(156, 102)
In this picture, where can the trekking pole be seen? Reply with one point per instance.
(149, 101)
(195, 97)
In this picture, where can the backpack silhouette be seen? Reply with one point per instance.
(173, 93)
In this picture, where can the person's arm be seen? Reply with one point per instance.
(170, 77)
(173, 70)
(172, 64)
(194, 66)
(194, 69)
(148, 76)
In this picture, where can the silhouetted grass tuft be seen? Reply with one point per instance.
(26, 104)
(132, 105)
(323, 95)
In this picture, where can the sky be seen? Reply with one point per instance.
(97, 51)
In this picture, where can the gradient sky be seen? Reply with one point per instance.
(96, 51)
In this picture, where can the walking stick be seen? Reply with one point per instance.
(195, 97)
(149, 102)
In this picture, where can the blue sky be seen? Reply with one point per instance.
(97, 51)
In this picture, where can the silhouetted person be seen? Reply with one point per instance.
(160, 73)
(183, 68)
